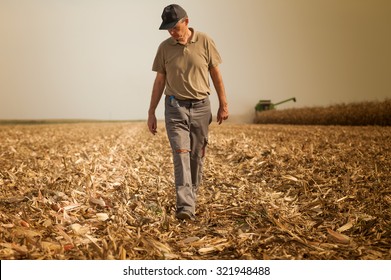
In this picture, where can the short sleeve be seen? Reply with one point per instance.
(214, 55)
(158, 63)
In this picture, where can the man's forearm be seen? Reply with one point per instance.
(157, 92)
(219, 86)
(222, 113)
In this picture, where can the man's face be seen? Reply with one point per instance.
(178, 32)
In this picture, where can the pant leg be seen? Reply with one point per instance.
(178, 132)
(200, 118)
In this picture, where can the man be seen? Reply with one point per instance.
(182, 64)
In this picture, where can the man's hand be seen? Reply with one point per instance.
(222, 114)
(152, 124)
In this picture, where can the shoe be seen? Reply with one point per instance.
(185, 215)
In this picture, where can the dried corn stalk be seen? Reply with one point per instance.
(105, 191)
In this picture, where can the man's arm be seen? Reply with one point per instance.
(157, 91)
(217, 79)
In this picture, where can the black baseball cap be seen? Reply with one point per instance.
(171, 15)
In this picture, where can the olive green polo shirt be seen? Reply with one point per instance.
(187, 66)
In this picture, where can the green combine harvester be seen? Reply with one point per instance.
(265, 105)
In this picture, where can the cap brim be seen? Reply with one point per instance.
(166, 26)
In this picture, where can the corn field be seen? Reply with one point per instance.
(105, 191)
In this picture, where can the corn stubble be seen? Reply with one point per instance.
(105, 191)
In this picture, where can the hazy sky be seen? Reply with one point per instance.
(91, 59)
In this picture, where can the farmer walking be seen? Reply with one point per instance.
(182, 64)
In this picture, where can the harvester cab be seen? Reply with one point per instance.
(264, 105)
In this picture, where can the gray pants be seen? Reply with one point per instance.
(187, 124)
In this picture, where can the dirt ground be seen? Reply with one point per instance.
(105, 191)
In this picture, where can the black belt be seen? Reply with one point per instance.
(187, 102)
(190, 100)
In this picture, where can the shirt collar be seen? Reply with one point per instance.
(194, 38)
